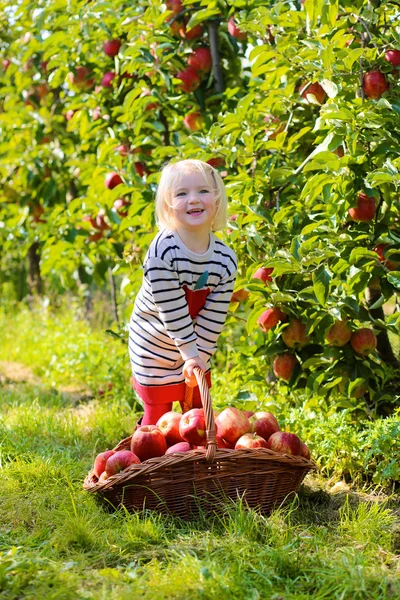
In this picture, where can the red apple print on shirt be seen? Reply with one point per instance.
(196, 298)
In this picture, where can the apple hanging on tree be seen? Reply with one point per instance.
(112, 47)
(189, 78)
(284, 364)
(363, 341)
(375, 84)
(365, 209)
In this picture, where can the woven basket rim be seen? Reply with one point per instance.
(226, 455)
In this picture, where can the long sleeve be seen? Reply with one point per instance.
(211, 318)
(162, 283)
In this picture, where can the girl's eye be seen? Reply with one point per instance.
(204, 191)
(180, 194)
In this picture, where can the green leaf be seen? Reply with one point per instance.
(394, 278)
(202, 280)
(352, 56)
(321, 281)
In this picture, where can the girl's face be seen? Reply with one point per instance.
(193, 203)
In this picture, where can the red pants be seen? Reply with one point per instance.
(159, 399)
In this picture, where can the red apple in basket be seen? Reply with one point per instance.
(100, 462)
(287, 443)
(192, 427)
(168, 424)
(304, 450)
(180, 447)
(103, 477)
(221, 443)
(248, 413)
(250, 440)
(264, 424)
(148, 442)
(231, 424)
(119, 461)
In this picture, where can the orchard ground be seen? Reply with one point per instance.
(340, 538)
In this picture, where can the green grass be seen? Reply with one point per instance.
(57, 542)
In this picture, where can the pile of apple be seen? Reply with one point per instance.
(175, 432)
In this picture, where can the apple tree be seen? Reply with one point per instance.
(295, 102)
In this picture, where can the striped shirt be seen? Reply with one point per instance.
(162, 334)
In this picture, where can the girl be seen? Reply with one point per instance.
(189, 276)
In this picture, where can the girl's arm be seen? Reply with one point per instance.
(211, 318)
(162, 283)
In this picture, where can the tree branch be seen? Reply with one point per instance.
(216, 57)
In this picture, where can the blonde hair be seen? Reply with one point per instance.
(169, 181)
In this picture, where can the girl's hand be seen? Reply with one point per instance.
(188, 373)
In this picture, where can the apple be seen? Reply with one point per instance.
(140, 169)
(100, 462)
(174, 5)
(248, 413)
(250, 440)
(119, 461)
(123, 149)
(42, 90)
(315, 89)
(235, 31)
(82, 78)
(176, 28)
(218, 161)
(221, 443)
(287, 443)
(194, 121)
(103, 477)
(284, 364)
(240, 296)
(179, 447)
(191, 34)
(112, 180)
(231, 424)
(365, 209)
(264, 273)
(304, 450)
(6, 64)
(37, 211)
(375, 84)
(393, 56)
(190, 79)
(168, 424)
(96, 113)
(107, 79)
(200, 60)
(363, 341)
(192, 427)
(279, 127)
(69, 114)
(389, 264)
(270, 318)
(339, 334)
(95, 237)
(119, 205)
(111, 47)
(294, 335)
(147, 442)
(339, 151)
(101, 224)
(264, 424)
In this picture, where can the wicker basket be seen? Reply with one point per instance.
(187, 483)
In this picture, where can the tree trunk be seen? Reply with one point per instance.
(35, 282)
(384, 347)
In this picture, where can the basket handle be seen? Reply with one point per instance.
(208, 414)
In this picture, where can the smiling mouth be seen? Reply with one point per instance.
(195, 211)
